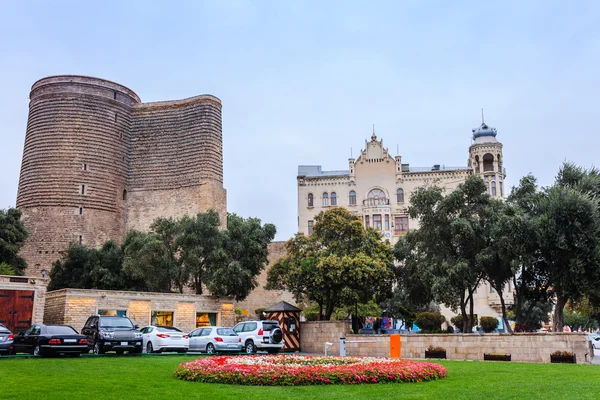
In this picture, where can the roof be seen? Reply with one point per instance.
(484, 130)
(436, 168)
(283, 306)
(316, 171)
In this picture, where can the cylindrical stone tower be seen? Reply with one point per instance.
(73, 181)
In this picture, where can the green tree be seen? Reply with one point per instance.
(241, 258)
(444, 251)
(340, 264)
(12, 236)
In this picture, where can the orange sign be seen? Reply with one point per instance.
(395, 347)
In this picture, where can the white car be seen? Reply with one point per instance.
(213, 339)
(260, 335)
(164, 338)
(595, 339)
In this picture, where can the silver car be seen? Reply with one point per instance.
(212, 339)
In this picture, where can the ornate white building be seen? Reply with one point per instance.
(377, 187)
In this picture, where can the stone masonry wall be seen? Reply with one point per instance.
(74, 306)
(314, 334)
(525, 347)
(260, 297)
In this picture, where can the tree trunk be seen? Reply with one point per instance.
(463, 312)
(329, 310)
(558, 318)
(506, 324)
(471, 310)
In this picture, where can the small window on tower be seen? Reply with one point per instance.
(82, 189)
(80, 239)
(80, 210)
(124, 194)
(115, 95)
(84, 167)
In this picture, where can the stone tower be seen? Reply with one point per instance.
(485, 158)
(98, 162)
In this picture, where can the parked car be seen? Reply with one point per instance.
(114, 333)
(595, 339)
(213, 339)
(6, 340)
(164, 338)
(260, 335)
(46, 340)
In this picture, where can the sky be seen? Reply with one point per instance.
(303, 82)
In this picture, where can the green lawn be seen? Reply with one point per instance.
(151, 377)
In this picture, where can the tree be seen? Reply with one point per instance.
(340, 264)
(444, 251)
(242, 257)
(570, 229)
(12, 236)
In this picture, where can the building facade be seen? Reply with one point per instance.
(377, 187)
(98, 162)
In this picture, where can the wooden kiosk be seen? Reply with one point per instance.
(288, 317)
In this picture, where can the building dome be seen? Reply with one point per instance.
(483, 131)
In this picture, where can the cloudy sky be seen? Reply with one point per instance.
(302, 82)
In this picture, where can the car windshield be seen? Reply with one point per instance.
(60, 330)
(167, 329)
(115, 322)
(269, 326)
(226, 332)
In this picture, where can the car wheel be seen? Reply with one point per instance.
(97, 348)
(36, 350)
(250, 348)
(149, 348)
(210, 349)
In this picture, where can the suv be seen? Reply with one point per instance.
(260, 335)
(112, 333)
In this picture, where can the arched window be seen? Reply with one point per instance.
(325, 199)
(376, 197)
(333, 199)
(493, 188)
(310, 200)
(400, 195)
(488, 162)
(501, 194)
(352, 198)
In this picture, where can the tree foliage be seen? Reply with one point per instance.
(12, 236)
(340, 264)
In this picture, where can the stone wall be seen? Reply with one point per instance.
(74, 306)
(314, 334)
(526, 347)
(37, 284)
(260, 297)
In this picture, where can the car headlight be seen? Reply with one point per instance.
(138, 335)
(107, 335)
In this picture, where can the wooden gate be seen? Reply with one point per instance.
(16, 309)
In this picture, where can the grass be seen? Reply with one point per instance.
(152, 377)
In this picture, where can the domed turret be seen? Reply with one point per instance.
(483, 131)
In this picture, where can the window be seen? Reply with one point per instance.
(310, 200)
(310, 227)
(115, 95)
(80, 210)
(400, 195)
(500, 184)
(84, 167)
(493, 188)
(124, 194)
(377, 221)
(82, 189)
(249, 327)
(488, 162)
(387, 222)
(367, 221)
(333, 199)
(113, 313)
(116, 117)
(60, 330)
(400, 225)
(80, 239)
(164, 318)
(376, 197)
(206, 319)
(325, 199)
(206, 332)
(352, 198)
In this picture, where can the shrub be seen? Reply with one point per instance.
(457, 321)
(435, 348)
(260, 313)
(430, 321)
(488, 324)
(559, 353)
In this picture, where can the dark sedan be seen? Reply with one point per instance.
(6, 340)
(51, 340)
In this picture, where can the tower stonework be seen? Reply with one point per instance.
(98, 162)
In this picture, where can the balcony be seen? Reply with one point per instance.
(376, 201)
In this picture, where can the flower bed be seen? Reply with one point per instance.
(292, 370)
